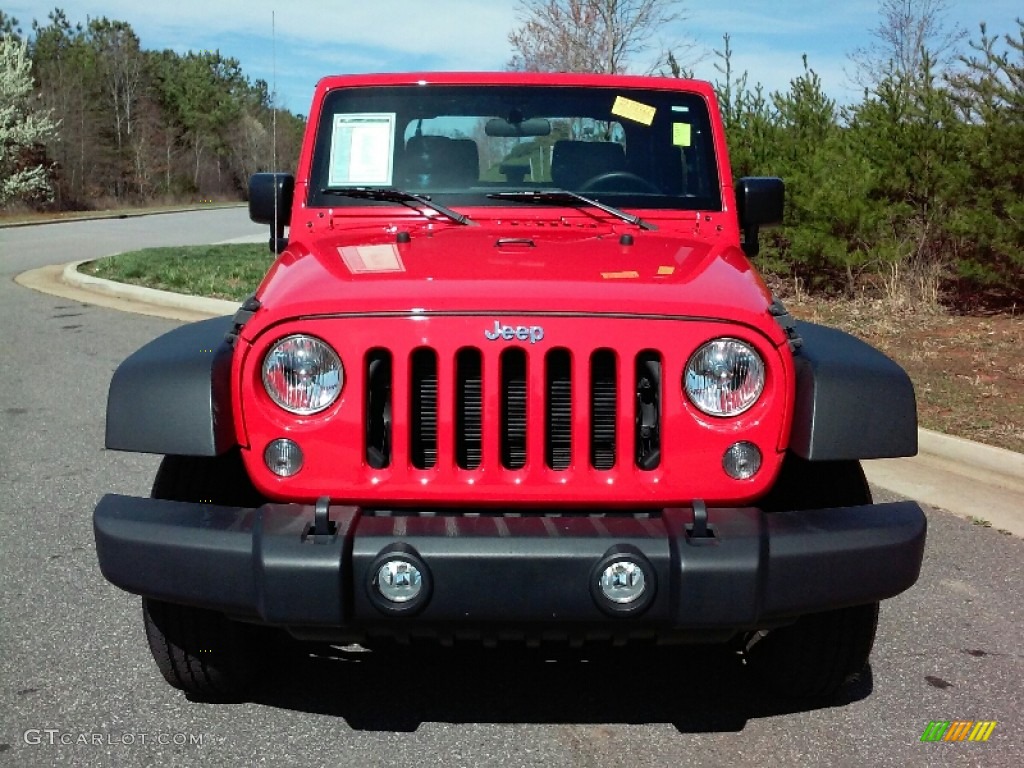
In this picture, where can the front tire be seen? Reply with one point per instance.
(819, 653)
(200, 651)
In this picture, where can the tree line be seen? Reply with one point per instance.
(115, 124)
(916, 190)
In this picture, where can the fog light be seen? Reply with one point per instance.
(622, 582)
(399, 581)
(742, 461)
(283, 457)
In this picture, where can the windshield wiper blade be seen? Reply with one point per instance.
(554, 195)
(387, 194)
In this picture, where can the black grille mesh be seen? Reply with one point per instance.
(560, 370)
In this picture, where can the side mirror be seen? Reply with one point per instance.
(270, 202)
(759, 202)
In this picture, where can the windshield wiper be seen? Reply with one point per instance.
(556, 195)
(387, 194)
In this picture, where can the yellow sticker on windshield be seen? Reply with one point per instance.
(633, 110)
(627, 275)
(681, 134)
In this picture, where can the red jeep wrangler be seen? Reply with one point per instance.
(512, 378)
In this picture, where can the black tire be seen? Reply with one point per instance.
(817, 485)
(819, 653)
(208, 479)
(200, 651)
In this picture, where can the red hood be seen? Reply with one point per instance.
(516, 269)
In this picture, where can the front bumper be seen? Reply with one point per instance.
(491, 570)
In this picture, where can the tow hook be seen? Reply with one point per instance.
(699, 532)
(322, 523)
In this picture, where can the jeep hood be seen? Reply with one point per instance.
(513, 270)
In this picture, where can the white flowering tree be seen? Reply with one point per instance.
(22, 128)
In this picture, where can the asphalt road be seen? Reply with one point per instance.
(74, 666)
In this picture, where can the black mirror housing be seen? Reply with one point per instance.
(760, 201)
(270, 202)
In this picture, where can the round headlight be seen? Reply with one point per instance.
(302, 374)
(724, 377)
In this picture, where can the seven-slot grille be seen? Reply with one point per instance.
(553, 429)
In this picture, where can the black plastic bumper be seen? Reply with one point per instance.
(527, 570)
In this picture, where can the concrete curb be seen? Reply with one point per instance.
(101, 216)
(137, 293)
(987, 458)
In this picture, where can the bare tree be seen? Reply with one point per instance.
(908, 33)
(610, 36)
(119, 60)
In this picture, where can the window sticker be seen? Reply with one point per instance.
(371, 258)
(633, 110)
(682, 134)
(625, 275)
(362, 146)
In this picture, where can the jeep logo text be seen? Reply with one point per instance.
(530, 333)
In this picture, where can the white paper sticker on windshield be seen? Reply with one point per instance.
(372, 258)
(361, 149)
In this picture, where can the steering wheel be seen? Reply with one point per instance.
(610, 181)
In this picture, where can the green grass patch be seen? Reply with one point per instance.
(219, 271)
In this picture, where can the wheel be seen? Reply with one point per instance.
(610, 181)
(207, 479)
(817, 485)
(815, 656)
(199, 651)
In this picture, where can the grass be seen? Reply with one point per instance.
(218, 271)
(968, 371)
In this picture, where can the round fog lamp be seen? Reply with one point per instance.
(622, 582)
(283, 457)
(399, 581)
(742, 461)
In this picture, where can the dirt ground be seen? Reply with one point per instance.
(968, 371)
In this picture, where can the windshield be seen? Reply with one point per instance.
(460, 144)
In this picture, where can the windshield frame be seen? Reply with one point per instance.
(412, 103)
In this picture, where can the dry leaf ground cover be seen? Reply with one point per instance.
(968, 370)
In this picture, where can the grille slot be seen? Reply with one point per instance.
(603, 392)
(423, 445)
(513, 409)
(469, 404)
(378, 408)
(647, 435)
(558, 416)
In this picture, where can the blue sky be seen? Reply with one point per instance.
(318, 38)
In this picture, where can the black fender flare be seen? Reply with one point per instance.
(173, 396)
(852, 402)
